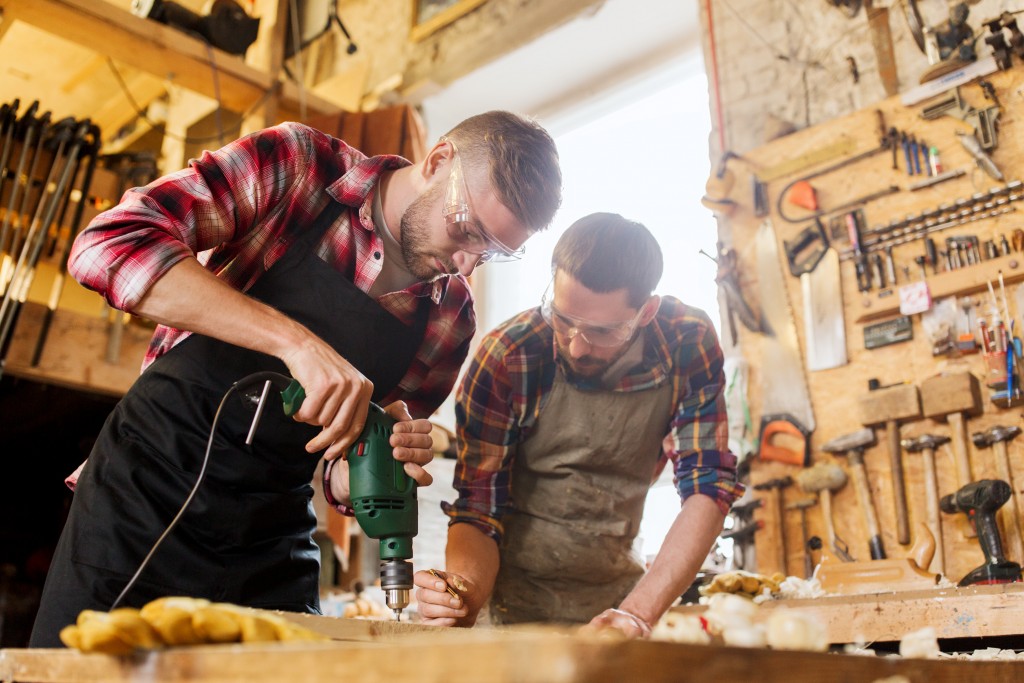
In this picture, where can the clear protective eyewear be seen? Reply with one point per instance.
(595, 334)
(470, 236)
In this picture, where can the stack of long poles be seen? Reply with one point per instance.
(35, 199)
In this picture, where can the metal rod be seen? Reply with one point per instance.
(30, 125)
(905, 239)
(8, 118)
(25, 269)
(76, 223)
(259, 412)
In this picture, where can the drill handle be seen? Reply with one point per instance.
(988, 536)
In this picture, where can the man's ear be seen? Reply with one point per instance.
(650, 309)
(437, 159)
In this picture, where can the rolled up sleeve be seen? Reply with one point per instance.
(698, 440)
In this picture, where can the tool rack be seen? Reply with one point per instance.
(836, 393)
(77, 352)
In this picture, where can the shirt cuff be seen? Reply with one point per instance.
(346, 510)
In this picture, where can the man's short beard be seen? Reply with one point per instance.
(415, 240)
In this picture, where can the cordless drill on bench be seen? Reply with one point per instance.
(980, 500)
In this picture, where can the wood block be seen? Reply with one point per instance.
(969, 612)
(899, 402)
(956, 393)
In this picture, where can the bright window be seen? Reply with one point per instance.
(641, 152)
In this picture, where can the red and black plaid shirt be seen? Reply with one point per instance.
(239, 209)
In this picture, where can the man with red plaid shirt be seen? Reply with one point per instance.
(285, 251)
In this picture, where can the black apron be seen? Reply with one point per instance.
(246, 538)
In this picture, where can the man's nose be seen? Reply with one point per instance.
(578, 345)
(466, 262)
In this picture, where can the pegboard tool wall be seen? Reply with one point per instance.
(836, 393)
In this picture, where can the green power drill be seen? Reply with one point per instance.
(383, 496)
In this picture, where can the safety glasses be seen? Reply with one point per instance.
(595, 334)
(469, 234)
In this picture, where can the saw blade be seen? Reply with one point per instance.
(784, 383)
(824, 327)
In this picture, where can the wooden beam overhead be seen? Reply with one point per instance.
(160, 50)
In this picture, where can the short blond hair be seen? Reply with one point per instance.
(522, 163)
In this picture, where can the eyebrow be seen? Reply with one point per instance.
(586, 323)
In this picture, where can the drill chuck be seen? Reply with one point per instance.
(396, 581)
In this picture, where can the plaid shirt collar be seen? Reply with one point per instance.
(356, 188)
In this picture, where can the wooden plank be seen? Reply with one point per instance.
(160, 50)
(355, 629)
(267, 54)
(970, 612)
(480, 656)
(75, 351)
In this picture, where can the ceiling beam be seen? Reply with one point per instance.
(160, 50)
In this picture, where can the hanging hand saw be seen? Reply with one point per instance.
(786, 410)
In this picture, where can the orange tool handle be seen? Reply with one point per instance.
(775, 425)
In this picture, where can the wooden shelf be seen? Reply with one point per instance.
(161, 50)
(76, 351)
(966, 280)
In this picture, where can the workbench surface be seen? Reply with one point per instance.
(482, 656)
(970, 612)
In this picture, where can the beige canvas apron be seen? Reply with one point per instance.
(578, 489)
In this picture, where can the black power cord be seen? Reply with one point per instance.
(268, 379)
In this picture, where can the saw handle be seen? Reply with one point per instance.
(775, 425)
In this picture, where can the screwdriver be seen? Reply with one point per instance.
(906, 153)
(931, 254)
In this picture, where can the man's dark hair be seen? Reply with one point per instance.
(521, 161)
(605, 252)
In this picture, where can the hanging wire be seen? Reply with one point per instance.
(297, 40)
(141, 112)
(215, 74)
(217, 117)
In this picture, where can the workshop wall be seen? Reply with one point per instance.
(970, 206)
(782, 63)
